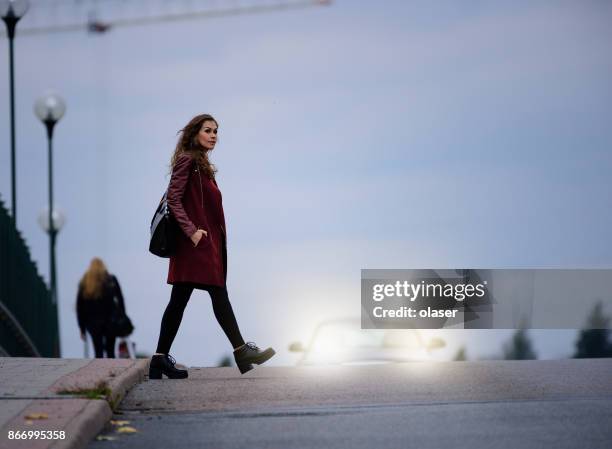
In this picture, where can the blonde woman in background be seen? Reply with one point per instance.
(95, 301)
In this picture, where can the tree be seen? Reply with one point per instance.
(519, 347)
(593, 339)
(226, 360)
(461, 355)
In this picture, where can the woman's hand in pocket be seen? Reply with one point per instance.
(197, 236)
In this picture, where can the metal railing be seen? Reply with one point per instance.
(28, 317)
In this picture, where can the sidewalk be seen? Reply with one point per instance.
(76, 396)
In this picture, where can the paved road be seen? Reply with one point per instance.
(463, 404)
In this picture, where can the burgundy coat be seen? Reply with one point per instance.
(195, 203)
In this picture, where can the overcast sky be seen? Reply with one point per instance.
(360, 135)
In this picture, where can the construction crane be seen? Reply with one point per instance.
(102, 16)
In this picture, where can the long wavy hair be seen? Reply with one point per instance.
(92, 282)
(188, 143)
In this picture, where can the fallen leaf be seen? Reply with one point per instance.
(126, 429)
(118, 423)
(37, 416)
(105, 438)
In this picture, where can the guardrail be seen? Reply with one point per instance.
(28, 317)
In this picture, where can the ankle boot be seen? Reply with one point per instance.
(164, 364)
(250, 353)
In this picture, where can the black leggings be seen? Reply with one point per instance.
(174, 314)
(102, 341)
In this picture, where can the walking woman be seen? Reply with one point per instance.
(200, 259)
(95, 303)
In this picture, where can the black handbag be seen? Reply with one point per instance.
(163, 230)
(120, 323)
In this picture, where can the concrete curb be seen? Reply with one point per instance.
(80, 418)
(119, 386)
(85, 425)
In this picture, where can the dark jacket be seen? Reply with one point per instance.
(94, 314)
(195, 202)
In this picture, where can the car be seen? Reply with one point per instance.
(342, 341)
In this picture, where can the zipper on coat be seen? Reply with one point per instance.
(201, 190)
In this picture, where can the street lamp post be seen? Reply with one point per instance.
(56, 224)
(11, 11)
(50, 109)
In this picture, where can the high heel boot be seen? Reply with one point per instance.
(248, 354)
(164, 364)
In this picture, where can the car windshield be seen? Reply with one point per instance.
(349, 337)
